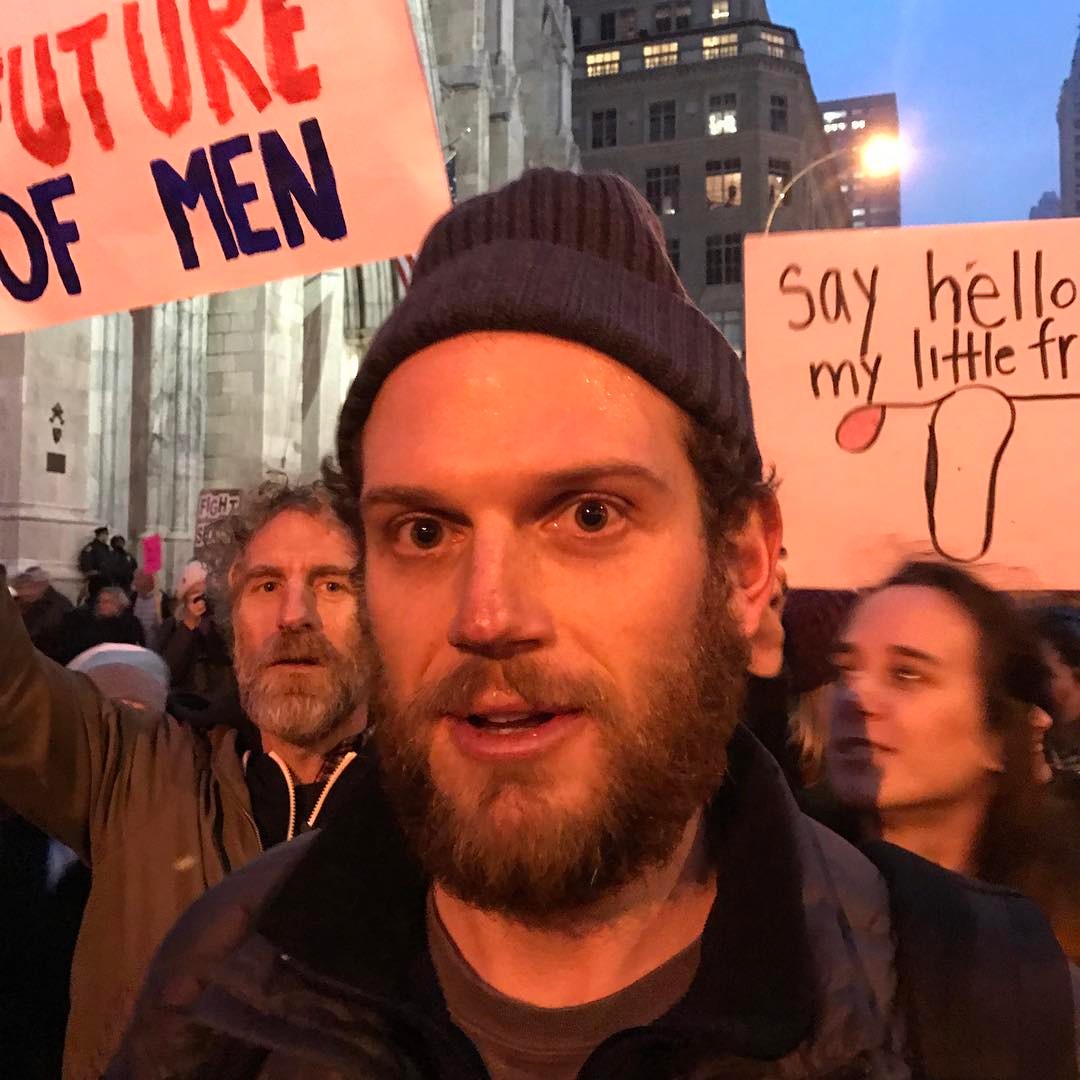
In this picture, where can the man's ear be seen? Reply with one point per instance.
(752, 557)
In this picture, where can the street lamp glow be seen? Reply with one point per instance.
(881, 156)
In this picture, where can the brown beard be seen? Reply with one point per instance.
(301, 709)
(661, 761)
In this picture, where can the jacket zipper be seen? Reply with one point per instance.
(290, 785)
(343, 764)
(291, 831)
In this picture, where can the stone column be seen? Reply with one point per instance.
(108, 471)
(325, 367)
(168, 427)
(44, 431)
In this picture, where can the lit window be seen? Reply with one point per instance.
(605, 127)
(719, 46)
(661, 121)
(778, 112)
(682, 16)
(858, 212)
(730, 324)
(779, 175)
(775, 43)
(858, 125)
(602, 63)
(666, 54)
(721, 10)
(662, 188)
(723, 115)
(837, 126)
(673, 251)
(832, 115)
(723, 182)
(723, 259)
(662, 18)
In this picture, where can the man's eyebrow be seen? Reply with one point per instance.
(916, 654)
(579, 477)
(268, 570)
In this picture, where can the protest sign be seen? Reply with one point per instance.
(158, 149)
(215, 504)
(151, 553)
(919, 392)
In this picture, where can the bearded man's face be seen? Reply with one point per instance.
(560, 655)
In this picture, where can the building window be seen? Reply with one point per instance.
(682, 16)
(723, 114)
(673, 251)
(723, 182)
(778, 112)
(602, 63)
(607, 26)
(605, 128)
(775, 43)
(662, 188)
(730, 324)
(662, 121)
(779, 175)
(575, 26)
(719, 46)
(662, 18)
(665, 54)
(721, 10)
(723, 259)
(626, 26)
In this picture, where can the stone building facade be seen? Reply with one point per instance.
(123, 419)
(707, 107)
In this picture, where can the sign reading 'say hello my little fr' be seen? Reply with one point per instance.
(156, 149)
(919, 392)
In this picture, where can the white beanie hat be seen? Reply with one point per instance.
(193, 577)
(126, 673)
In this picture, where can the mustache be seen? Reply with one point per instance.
(538, 686)
(297, 645)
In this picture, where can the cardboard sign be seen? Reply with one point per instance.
(159, 149)
(919, 393)
(215, 504)
(151, 554)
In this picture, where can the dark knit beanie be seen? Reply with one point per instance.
(576, 257)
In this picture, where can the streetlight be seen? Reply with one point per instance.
(880, 155)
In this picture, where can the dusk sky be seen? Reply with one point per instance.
(977, 83)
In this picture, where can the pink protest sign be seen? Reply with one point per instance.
(151, 553)
(158, 149)
(918, 390)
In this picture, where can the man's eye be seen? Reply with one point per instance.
(591, 516)
(267, 586)
(907, 675)
(426, 533)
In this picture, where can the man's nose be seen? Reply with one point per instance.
(498, 611)
(297, 606)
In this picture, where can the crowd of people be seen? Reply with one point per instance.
(508, 749)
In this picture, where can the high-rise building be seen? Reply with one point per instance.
(707, 107)
(875, 201)
(1048, 206)
(1068, 116)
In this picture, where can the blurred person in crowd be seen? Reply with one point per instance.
(1059, 630)
(193, 646)
(95, 560)
(572, 851)
(935, 742)
(122, 564)
(151, 606)
(42, 608)
(107, 617)
(159, 812)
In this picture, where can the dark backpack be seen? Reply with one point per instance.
(987, 990)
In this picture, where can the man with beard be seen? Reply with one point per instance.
(160, 811)
(569, 862)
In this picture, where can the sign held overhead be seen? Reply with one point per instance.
(915, 388)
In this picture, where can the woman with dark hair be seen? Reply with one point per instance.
(1059, 629)
(935, 740)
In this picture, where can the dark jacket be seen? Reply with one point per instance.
(43, 618)
(199, 660)
(80, 629)
(94, 559)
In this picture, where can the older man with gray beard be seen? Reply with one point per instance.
(160, 812)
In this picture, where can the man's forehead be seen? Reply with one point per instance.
(297, 537)
(525, 403)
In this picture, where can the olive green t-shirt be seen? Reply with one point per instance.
(524, 1042)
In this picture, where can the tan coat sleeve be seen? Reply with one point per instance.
(61, 743)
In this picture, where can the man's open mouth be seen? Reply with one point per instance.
(506, 723)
